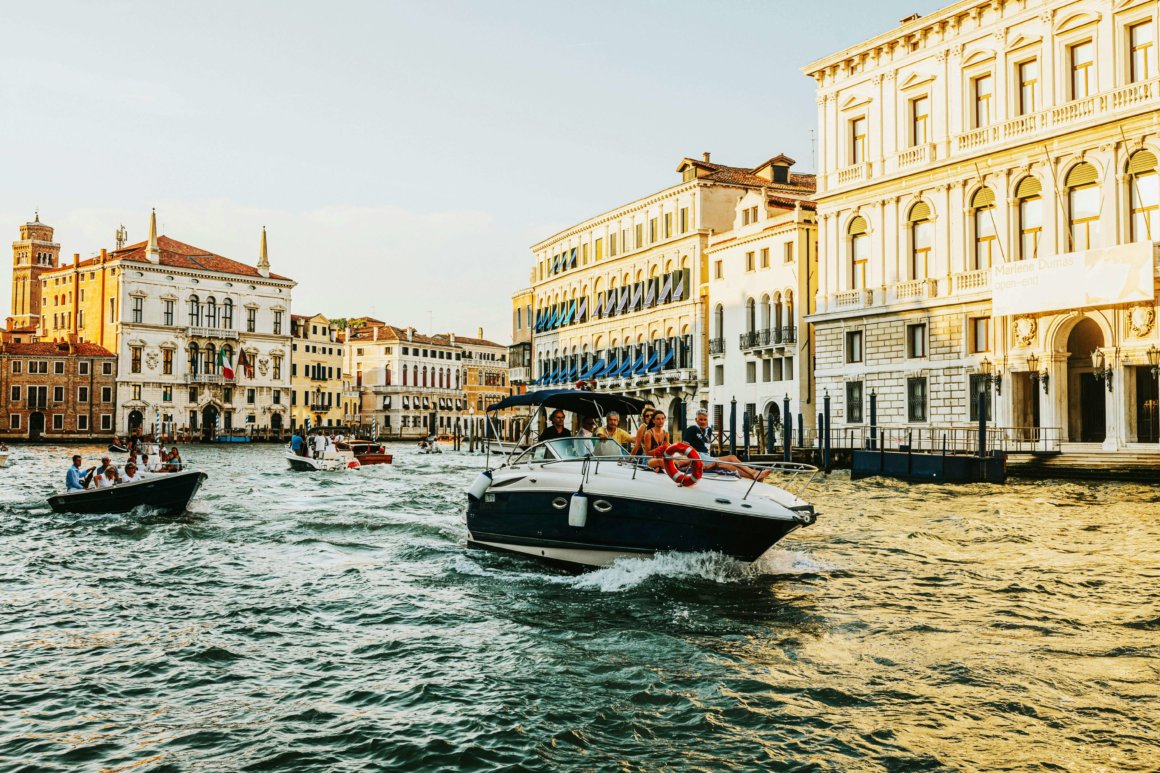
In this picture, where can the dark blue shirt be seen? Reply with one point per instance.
(698, 438)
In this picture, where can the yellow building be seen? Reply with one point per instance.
(320, 393)
(485, 379)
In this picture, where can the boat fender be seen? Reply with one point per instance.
(578, 510)
(480, 485)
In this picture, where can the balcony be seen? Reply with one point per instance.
(206, 378)
(854, 174)
(787, 334)
(854, 299)
(351, 393)
(770, 336)
(716, 346)
(753, 339)
(915, 289)
(211, 332)
(1134, 97)
(970, 281)
(920, 154)
(520, 375)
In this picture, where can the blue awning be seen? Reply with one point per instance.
(612, 366)
(651, 365)
(631, 367)
(571, 312)
(555, 318)
(667, 359)
(572, 372)
(639, 366)
(591, 372)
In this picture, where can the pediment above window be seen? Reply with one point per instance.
(1075, 21)
(1022, 41)
(978, 56)
(855, 101)
(915, 80)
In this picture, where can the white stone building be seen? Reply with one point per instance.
(762, 273)
(988, 200)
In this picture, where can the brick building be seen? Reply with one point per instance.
(57, 391)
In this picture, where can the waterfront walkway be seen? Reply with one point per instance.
(1088, 461)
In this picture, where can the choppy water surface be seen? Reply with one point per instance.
(338, 622)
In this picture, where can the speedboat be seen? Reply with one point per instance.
(168, 492)
(328, 462)
(3, 456)
(585, 502)
(429, 447)
(366, 451)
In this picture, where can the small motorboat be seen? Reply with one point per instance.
(3, 456)
(116, 449)
(168, 493)
(235, 437)
(328, 462)
(429, 446)
(366, 451)
(584, 502)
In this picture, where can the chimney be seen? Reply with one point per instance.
(705, 156)
(410, 334)
(375, 333)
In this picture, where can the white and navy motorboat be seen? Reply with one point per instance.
(585, 502)
(329, 461)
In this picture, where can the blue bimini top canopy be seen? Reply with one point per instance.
(574, 401)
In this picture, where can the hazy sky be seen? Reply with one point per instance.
(404, 156)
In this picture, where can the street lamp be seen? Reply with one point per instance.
(1036, 376)
(1103, 371)
(1154, 360)
(990, 378)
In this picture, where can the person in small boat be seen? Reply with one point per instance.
(585, 436)
(700, 437)
(109, 478)
(556, 429)
(75, 479)
(646, 417)
(296, 444)
(173, 461)
(612, 431)
(132, 475)
(319, 445)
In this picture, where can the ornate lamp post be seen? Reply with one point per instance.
(1103, 371)
(1036, 376)
(992, 376)
(1154, 361)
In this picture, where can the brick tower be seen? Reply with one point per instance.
(32, 255)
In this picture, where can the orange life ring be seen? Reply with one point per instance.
(694, 471)
(353, 464)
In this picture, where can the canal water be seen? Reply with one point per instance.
(338, 622)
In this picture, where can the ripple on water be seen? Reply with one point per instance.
(339, 622)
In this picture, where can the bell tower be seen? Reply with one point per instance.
(32, 255)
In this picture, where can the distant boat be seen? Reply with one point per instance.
(116, 449)
(169, 493)
(232, 439)
(3, 457)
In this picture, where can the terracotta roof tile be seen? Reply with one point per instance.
(179, 255)
(57, 349)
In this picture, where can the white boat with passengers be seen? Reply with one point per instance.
(586, 502)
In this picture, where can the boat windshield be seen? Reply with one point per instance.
(571, 448)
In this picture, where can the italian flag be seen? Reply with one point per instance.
(225, 365)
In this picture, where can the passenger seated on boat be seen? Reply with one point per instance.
(74, 479)
(131, 474)
(612, 431)
(556, 428)
(653, 438)
(646, 417)
(699, 436)
(109, 478)
(173, 461)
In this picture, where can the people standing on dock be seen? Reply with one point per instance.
(612, 431)
(700, 436)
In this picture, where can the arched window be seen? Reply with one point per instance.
(387, 377)
(194, 358)
(228, 314)
(1144, 194)
(404, 375)
(210, 358)
(789, 320)
(859, 252)
(777, 311)
(194, 311)
(211, 312)
(766, 310)
(719, 321)
(1029, 198)
(457, 379)
(983, 215)
(1083, 206)
(921, 240)
(751, 316)
(424, 375)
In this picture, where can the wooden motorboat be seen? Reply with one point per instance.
(168, 493)
(366, 451)
(116, 449)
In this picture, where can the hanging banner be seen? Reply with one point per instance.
(1105, 276)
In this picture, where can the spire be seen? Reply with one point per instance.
(153, 253)
(263, 257)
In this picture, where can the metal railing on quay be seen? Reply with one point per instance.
(941, 439)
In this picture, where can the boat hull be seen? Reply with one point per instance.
(169, 493)
(534, 523)
(365, 459)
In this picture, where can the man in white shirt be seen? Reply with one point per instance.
(319, 445)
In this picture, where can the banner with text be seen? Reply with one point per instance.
(1101, 277)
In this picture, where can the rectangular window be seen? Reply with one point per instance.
(853, 401)
(749, 261)
(136, 391)
(251, 320)
(167, 361)
(106, 421)
(1082, 69)
(1028, 74)
(765, 257)
(916, 399)
(58, 421)
(112, 309)
(983, 89)
(277, 323)
(17, 366)
(986, 245)
(766, 370)
(668, 225)
(167, 313)
(854, 346)
(1030, 226)
(599, 249)
(82, 394)
(719, 375)
(922, 236)
(916, 341)
(1144, 193)
(14, 421)
(82, 369)
(858, 140)
(277, 397)
(1140, 52)
(58, 367)
(277, 363)
(135, 359)
(106, 394)
(138, 309)
(167, 394)
(751, 372)
(82, 422)
(718, 273)
(584, 254)
(745, 216)
(58, 394)
(652, 230)
(919, 121)
(978, 386)
(684, 215)
(611, 245)
(14, 394)
(1084, 212)
(228, 395)
(107, 368)
(980, 334)
(251, 396)
(638, 235)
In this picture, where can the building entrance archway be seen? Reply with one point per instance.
(135, 421)
(1086, 398)
(35, 425)
(209, 419)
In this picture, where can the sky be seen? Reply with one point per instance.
(402, 156)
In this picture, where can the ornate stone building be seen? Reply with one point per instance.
(175, 314)
(988, 207)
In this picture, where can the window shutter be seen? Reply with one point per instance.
(858, 226)
(920, 212)
(1028, 186)
(984, 197)
(1082, 174)
(1142, 162)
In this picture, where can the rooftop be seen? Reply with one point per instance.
(177, 254)
(55, 349)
